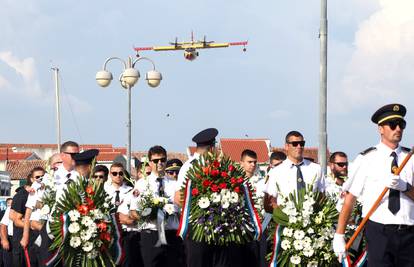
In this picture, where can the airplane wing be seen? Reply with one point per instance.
(159, 48)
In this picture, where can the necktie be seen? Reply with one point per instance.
(117, 199)
(160, 187)
(68, 181)
(300, 184)
(394, 195)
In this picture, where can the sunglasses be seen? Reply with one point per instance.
(342, 164)
(158, 160)
(393, 124)
(173, 172)
(117, 173)
(99, 176)
(297, 143)
(38, 176)
(148, 173)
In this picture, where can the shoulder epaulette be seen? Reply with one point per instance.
(366, 151)
(405, 149)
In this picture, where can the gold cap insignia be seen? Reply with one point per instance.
(396, 108)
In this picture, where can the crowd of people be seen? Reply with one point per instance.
(389, 231)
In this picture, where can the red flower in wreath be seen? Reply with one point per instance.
(194, 192)
(233, 180)
(223, 186)
(231, 168)
(89, 190)
(105, 236)
(102, 226)
(216, 164)
(214, 188)
(206, 170)
(90, 203)
(83, 209)
(207, 183)
(224, 174)
(240, 180)
(237, 189)
(214, 173)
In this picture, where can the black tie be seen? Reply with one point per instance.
(117, 199)
(68, 181)
(160, 187)
(300, 184)
(394, 195)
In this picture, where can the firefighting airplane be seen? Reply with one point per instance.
(190, 48)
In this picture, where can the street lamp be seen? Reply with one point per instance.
(129, 77)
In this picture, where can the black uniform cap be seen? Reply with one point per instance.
(389, 112)
(173, 165)
(206, 137)
(85, 157)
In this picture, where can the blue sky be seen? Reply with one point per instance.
(265, 92)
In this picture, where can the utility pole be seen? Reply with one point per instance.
(57, 94)
(323, 136)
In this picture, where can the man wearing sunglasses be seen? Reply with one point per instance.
(390, 229)
(117, 189)
(161, 185)
(293, 174)
(66, 171)
(173, 168)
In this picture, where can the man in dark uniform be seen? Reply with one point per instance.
(390, 229)
(84, 160)
(201, 253)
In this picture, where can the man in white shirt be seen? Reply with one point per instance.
(293, 174)
(6, 233)
(163, 186)
(338, 165)
(117, 189)
(390, 229)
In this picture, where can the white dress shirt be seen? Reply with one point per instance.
(169, 185)
(7, 222)
(369, 181)
(124, 208)
(110, 189)
(284, 177)
(61, 177)
(182, 175)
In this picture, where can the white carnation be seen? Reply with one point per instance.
(169, 209)
(73, 228)
(311, 231)
(285, 244)
(215, 197)
(308, 252)
(287, 232)
(295, 259)
(75, 241)
(293, 219)
(312, 264)
(225, 204)
(74, 215)
(298, 244)
(88, 246)
(87, 221)
(93, 254)
(203, 202)
(234, 197)
(85, 235)
(299, 234)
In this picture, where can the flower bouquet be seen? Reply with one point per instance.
(85, 233)
(149, 204)
(48, 197)
(304, 230)
(218, 208)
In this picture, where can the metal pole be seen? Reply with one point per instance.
(56, 71)
(323, 136)
(128, 167)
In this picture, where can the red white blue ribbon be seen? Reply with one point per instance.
(253, 212)
(64, 219)
(346, 262)
(276, 246)
(185, 213)
(119, 251)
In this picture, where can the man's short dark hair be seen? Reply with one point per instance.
(248, 152)
(101, 168)
(277, 155)
(67, 144)
(292, 133)
(9, 199)
(117, 165)
(337, 153)
(156, 150)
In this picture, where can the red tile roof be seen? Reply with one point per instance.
(234, 147)
(107, 156)
(20, 169)
(15, 155)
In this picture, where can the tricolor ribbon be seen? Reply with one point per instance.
(346, 262)
(252, 212)
(276, 246)
(119, 251)
(185, 213)
(64, 219)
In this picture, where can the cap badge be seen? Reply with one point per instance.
(396, 108)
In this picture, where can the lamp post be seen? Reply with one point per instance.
(129, 77)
